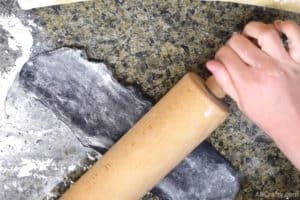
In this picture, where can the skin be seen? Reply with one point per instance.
(263, 76)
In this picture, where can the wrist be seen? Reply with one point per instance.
(288, 141)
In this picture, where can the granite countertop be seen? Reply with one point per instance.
(152, 44)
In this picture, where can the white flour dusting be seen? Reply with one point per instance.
(13, 44)
(29, 165)
(38, 151)
(21, 39)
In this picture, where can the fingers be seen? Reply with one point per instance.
(292, 31)
(248, 52)
(237, 69)
(268, 39)
(223, 78)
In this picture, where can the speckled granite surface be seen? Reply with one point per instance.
(154, 43)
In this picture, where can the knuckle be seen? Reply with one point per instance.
(250, 25)
(274, 74)
(254, 26)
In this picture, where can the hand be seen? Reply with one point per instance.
(263, 77)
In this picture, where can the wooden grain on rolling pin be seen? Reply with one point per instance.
(288, 5)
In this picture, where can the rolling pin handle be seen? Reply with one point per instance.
(214, 87)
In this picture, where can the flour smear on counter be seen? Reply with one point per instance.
(21, 39)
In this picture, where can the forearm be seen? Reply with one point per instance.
(288, 141)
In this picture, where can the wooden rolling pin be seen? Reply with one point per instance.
(162, 138)
(287, 5)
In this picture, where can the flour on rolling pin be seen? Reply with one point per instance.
(29, 4)
(288, 5)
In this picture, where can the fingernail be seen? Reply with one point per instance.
(211, 67)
